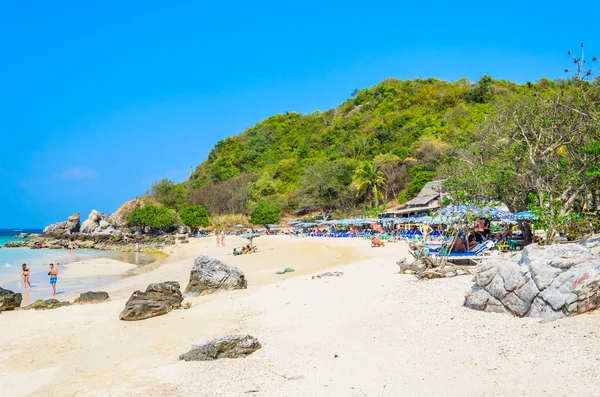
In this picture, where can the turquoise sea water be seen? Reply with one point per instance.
(38, 260)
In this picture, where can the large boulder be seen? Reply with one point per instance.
(545, 282)
(97, 224)
(228, 346)
(210, 274)
(71, 226)
(46, 305)
(9, 300)
(92, 297)
(158, 299)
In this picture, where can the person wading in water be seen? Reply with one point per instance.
(53, 273)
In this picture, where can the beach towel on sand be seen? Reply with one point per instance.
(287, 270)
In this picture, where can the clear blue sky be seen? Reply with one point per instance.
(100, 99)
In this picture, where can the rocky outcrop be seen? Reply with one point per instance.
(97, 224)
(71, 226)
(92, 297)
(9, 300)
(158, 299)
(545, 282)
(228, 346)
(210, 275)
(46, 305)
(119, 217)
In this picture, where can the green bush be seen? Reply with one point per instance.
(265, 213)
(194, 216)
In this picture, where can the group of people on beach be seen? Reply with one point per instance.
(220, 239)
(53, 273)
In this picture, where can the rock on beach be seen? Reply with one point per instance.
(158, 299)
(92, 297)
(228, 346)
(47, 304)
(549, 282)
(210, 275)
(9, 300)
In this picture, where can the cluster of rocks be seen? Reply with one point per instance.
(548, 282)
(10, 300)
(97, 224)
(71, 226)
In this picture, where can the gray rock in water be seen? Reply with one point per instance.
(158, 299)
(92, 297)
(9, 300)
(546, 282)
(210, 275)
(48, 304)
(228, 346)
(328, 274)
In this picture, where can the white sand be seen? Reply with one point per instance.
(393, 336)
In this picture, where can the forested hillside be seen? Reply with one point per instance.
(381, 145)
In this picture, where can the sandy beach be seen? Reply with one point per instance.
(370, 332)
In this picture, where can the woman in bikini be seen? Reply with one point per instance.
(25, 274)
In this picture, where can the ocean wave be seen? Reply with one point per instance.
(7, 265)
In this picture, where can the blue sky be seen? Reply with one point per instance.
(100, 99)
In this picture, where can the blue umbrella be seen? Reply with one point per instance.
(250, 235)
(525, 216)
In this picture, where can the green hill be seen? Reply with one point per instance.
(307, 162)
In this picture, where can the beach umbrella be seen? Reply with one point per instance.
(525, 216)
(250, 236)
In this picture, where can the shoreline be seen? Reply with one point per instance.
(80, 271)
(371, 331)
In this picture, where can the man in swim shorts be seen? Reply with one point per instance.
(53, 273)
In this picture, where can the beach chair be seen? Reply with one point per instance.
(477, 255)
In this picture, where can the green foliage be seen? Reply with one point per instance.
(482, 91)
(307, 161)
(155, 217)
(324, 186)
(370, 182)
(420, 176)
(169, 194)
(194, 216)
(265, 212)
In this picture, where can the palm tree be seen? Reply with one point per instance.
(370, 181)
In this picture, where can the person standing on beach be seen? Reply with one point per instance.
(222, 239)
(26, 272)
(53, 273)
(218, 239)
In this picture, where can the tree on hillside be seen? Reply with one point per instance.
(324, 186)
(395, 171)
(194, 216)
(154, 217)
(420, 175)
(227, 197)
(540, 152)
(265, 213)
(370, 182)
(170, 194)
